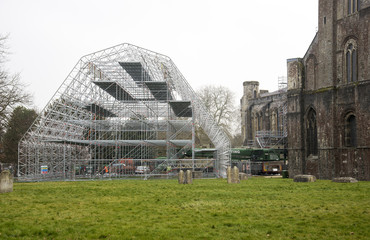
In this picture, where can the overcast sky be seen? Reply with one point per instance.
(211, 42)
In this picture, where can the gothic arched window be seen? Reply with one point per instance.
(352, 6)
(351, 63)
(311, 133)
(350, 135)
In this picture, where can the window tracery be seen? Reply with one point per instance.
(351, 65)
(352, 6)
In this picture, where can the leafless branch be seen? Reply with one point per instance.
(12, 90)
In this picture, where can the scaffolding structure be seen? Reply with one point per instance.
(278, 138)
(122, 112)
(282, 82)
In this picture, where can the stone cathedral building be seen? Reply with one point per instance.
(328, 96)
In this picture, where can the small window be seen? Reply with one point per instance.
(254, 94)
(324, 20)
(350, 131)
(351, 63)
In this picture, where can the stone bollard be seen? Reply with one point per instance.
(185, 178)
(6, 182)
(197, 174)
(189, 177)
(228, 173)
(235, 175)
(243, 176)
(304, 178)
(181, 177)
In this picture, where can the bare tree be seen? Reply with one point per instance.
(236, 140)
(12, 91)
(3, 48)
(219, 101)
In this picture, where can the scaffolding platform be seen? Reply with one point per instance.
(99, 111)
(159, 90)
(115, 90)
(181, 108)
(136, 71)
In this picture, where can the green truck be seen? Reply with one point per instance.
(262, 161)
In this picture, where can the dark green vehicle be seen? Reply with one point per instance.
(262, 161)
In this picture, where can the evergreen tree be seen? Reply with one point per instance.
(19, 122)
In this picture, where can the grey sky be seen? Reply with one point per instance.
(211, 42)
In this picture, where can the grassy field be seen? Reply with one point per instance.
(258, 208)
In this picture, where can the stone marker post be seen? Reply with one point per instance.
(189, 177)
(185, 178)
(228, 172)
(181, 177)
(235, 175)
(6, 182)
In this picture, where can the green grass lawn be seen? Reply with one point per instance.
(257, 208)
